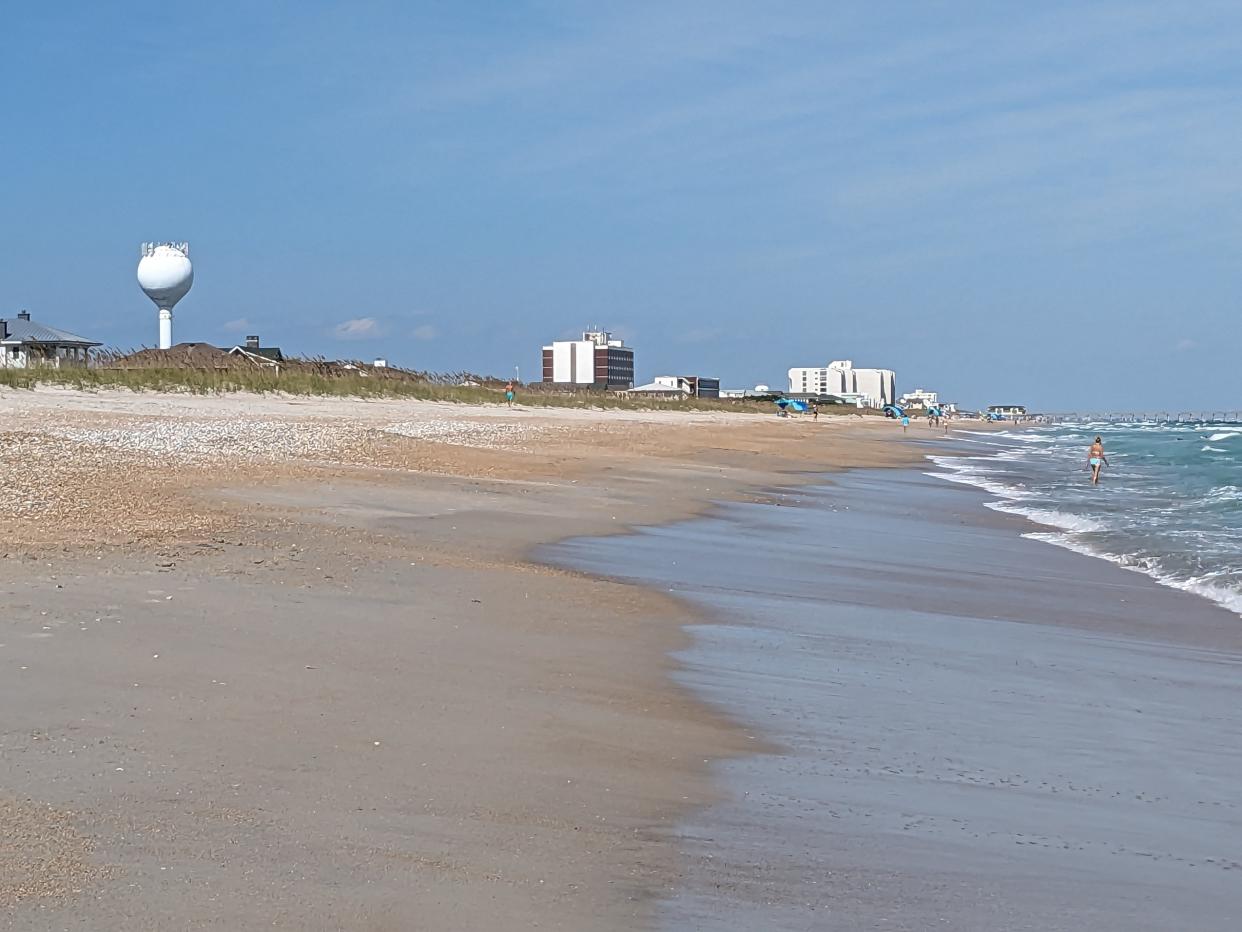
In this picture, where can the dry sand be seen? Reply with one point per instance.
(284, 663)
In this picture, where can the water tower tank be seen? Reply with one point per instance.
(165, 274)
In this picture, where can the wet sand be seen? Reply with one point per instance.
(976, 731)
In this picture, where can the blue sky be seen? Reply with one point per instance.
(1030, 202)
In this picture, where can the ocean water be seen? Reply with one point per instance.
(1169, 506)
(973, 730)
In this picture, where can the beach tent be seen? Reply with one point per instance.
(787, 404)
(894, 411)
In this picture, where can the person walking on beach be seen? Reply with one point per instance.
(509, 394)
(905, 423)
(1096, 459)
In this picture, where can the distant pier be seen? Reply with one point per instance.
(1145, 417)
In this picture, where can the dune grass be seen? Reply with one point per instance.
(313, 380)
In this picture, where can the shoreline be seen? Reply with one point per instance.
(583, 681)
(1058, 518)
(899, 741)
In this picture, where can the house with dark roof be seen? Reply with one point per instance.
(26, 343)
(202, 356)
(253, 348)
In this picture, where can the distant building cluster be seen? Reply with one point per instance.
(872, 388)
(1007, 411)
(601, 361)
(921, 398)
(679, 386)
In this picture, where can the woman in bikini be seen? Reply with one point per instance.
(1096, 459)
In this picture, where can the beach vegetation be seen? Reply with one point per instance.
(159, 371)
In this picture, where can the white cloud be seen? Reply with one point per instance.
(1185, 344)
(241, 325)
(425, 332)
(359, 328)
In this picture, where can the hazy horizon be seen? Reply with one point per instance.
(1021, 204)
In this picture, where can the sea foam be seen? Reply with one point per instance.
(1204, 585)
(1163, 509)
(1077, 524)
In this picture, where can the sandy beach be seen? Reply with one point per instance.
(285, 663)
(318, 664)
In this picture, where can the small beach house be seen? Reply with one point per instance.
(678, 386)
(1007, 410)
(26, 344)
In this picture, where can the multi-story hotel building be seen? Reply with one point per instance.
(595, 361)
(875, 387)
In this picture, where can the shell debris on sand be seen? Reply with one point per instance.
(53, 489)
(134, 476)
(115, 467)
(497, 435)
(197, 440)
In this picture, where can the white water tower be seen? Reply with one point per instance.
(165, 274)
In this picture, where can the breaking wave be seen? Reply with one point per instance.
(1163, 509)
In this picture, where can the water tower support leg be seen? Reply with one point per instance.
(165, 328)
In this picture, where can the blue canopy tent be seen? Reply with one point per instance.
(788, 404)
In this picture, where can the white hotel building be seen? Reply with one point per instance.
(874, 388)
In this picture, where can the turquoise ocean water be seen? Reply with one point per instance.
(1169, 506)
